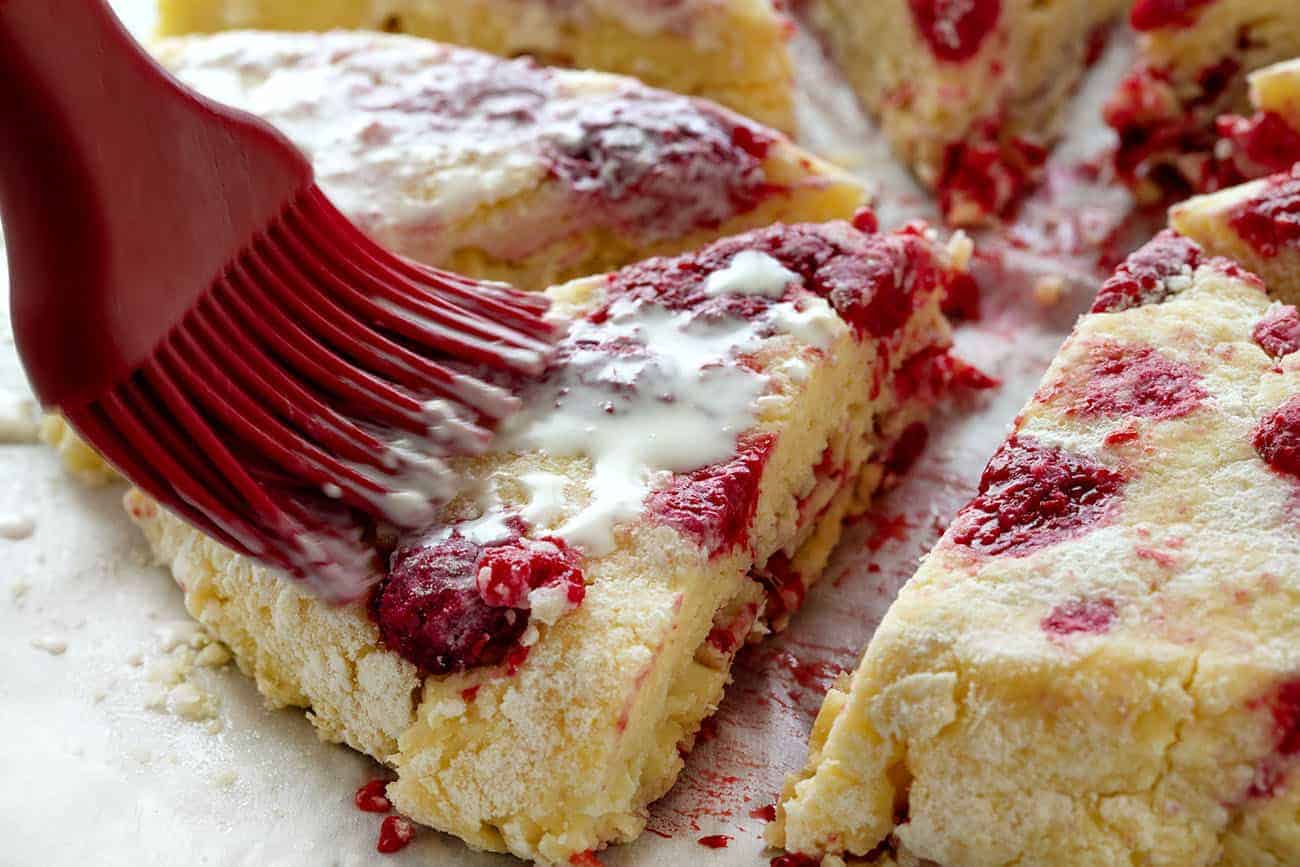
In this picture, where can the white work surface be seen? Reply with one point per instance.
(93, 776)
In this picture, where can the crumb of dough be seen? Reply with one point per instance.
(16, 528)
(185, 646)
(1048, 291)
(19, 420)
(50, 644)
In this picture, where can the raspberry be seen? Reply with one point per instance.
(1122, 379)
(373, 798)
(1286, 718)
(985, 176)
(876, 290)
(1265, 142)
(716, 504)
(507, 573)
(907, 449)
(1277, 438)
(963, 299)
(1278, 333)
(1159, 14)
(453, 605)
(1145, 277)
(794, 859)
(866, 221)
(395, 834)
(1088, 615)
(661, 164)
(1031, 496)
(1271, 774)
(955, 29)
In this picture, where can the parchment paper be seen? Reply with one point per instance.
(91, 775)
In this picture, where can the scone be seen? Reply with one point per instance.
(1099, 662)
(1194, 56)
(502, 169)
(970, 93)
(734, 52)
(535, 666)
(1257, 224)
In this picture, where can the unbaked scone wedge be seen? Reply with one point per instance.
(502, 169)
(970, 94)
(734, 52)
(535, 666)
(1194, 57)
(1099, 662)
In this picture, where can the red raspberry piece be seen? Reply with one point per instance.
(507, 573)
(1286, 718)
(907, 449)
(963, 299)
(1278, 333)
(715, 505)
(955, 29)
(866, 221)
(1086, 615)
(1271, 773)
(1277, 438)
(453, 605)
(1031, 496)
(1128, 380)
(1265, 142)
(373, 798)
(794, 859)
(986, 175)
(1159, 14)
(395, 834)
(661, 164)
(785, 586)
(1144, 278)
(876, 287)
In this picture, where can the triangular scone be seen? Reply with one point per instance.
(1257, 223)
(535, 667)
(506, 169)
(1193, 60)
(500, 168)
(968, 93)
(1099, 662)
(734, 52)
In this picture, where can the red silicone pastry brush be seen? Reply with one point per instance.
(200, 313)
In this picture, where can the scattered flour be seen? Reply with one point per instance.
(224, 779)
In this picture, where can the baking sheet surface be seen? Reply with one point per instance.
(94, 775)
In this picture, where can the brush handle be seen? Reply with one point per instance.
(123, 194)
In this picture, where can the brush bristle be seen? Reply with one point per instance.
(321, 387)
